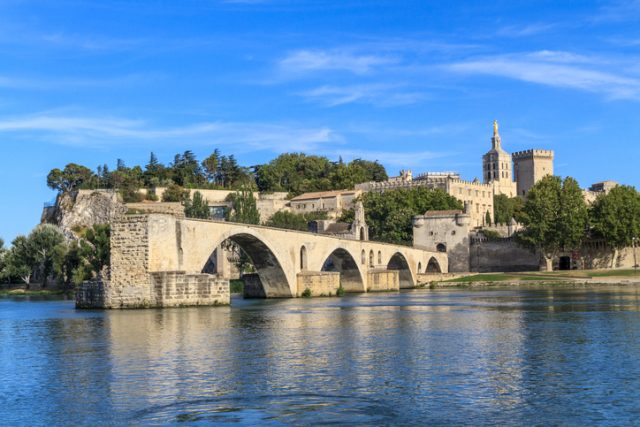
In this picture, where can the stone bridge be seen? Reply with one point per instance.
(161, 260)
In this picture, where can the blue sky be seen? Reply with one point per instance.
(413, 84)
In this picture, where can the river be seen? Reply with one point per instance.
(537, 356)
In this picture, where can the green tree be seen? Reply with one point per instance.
(505, 208)
(244, 208)
(175, 193)
(487, 219)
(389, 214)
(41, 242)
(18, 261)
(211, 166)
(615, 218)
(295, 173)
(72, 177)
(197, 208)
(293, 221)
(356, 172)
(555, 217)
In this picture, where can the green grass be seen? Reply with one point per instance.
(43, 292)
(616, 273)
(544, 276)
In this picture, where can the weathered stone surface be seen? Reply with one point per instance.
(319, 283)
(84, 209)
(383, 280)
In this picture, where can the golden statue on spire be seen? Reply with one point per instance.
(495, 127)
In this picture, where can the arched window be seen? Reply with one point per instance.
(361, 233)
(379, 258)
(419, 268)
(441, 247)
(363, 257)
(371, 259)
(303, 258)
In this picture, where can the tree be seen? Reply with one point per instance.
(555, 217)
(244, 208)
(41, 242)
(487, 219)
(293, 221)
(197, 208)
(505, 208)
(18, 261)
(390, 213)
(72, 177)
(211, 166)
(615, 218)
(175, 193)
(295, 173)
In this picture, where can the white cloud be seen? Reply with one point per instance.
(377, 94)
(558, 69)
(101, 131)
(304, 61)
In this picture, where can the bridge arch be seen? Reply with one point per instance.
(433, 266)
(399, 262)
(342, 261)
(270, 280)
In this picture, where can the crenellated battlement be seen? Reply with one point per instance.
(532, 153)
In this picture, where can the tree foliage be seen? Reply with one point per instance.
(615, 216)
(505, 208)
(294, 221)
(297, 173)
(72, 177)
(389, 214)
(197, 207)
(244, 208)
(555, 216)
(175, 193)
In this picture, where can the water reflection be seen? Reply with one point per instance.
(535, 356)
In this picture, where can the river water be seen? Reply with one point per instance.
(542, 356)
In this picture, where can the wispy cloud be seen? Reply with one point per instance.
(525, 30)
(378, 94)
(558, 69)
(306, 61)
(104, 131)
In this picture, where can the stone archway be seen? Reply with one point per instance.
(399, 262)
(340, 260)
(269, 279)
(433, 266)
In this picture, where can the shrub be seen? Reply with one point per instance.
(306, 293)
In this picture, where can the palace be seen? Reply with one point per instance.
(502, 173)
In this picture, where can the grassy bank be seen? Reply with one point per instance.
(555, 276)
(33, 293)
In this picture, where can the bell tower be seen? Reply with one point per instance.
(497, 166)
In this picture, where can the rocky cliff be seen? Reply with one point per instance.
(83, 209)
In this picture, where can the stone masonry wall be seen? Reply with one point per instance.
(129, 286)
(320, 283)
(383, 280)
(175, 288)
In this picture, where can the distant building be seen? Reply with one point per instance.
(444, 231)
(531, 166)
(597, 189)
(332, 202)
(496, 167)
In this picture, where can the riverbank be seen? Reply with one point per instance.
(32, 293)
(554, 278)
